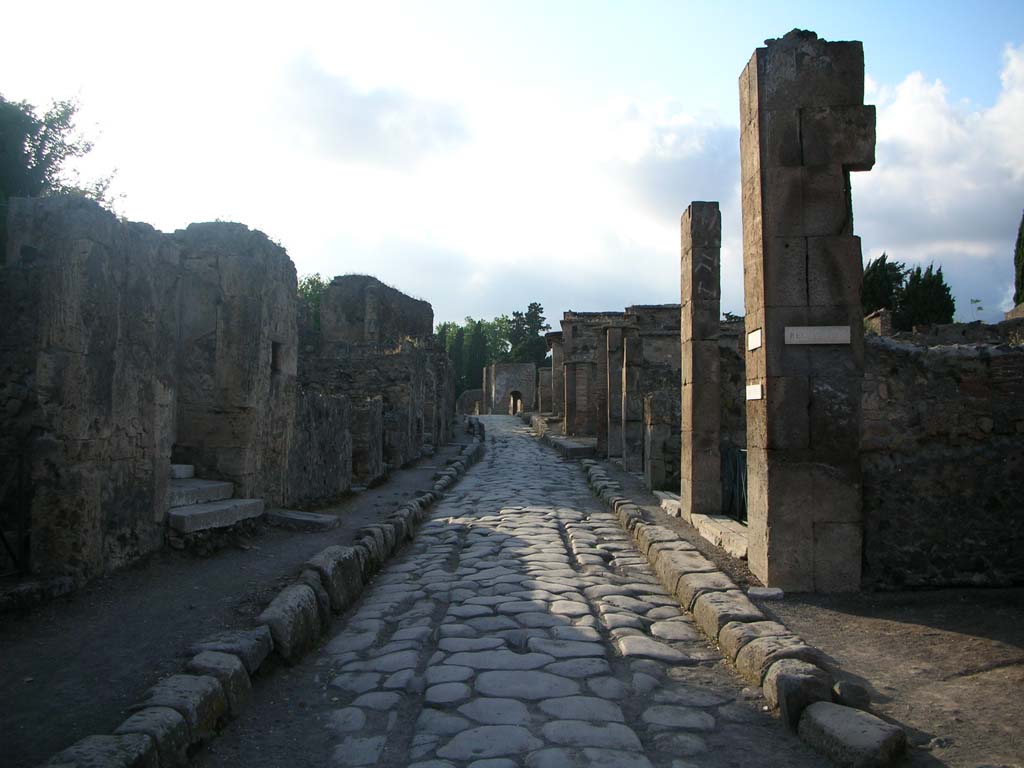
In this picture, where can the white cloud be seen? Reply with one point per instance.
(948, 184)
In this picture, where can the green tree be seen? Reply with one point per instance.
(883, 282)
(476, 354)
(1018, 264)
(311, 291)
(34, 152)
(925, 299)
(526, 339)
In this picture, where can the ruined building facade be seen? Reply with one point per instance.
(124, 350)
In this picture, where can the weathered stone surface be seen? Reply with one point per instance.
(510, 388)
(229, 670)
(320, 452)
(199, 699)
(530, 685)
(792, 685)
(734, 635)
(645, 647)
(755, 657)
(851, 694)
(713, 610)
(490, 741)
(692, 585)
(294, 621)
(850, 737)
(295, 520)
(168, 730)
(340, 573)
(129, 750)
(252, 646)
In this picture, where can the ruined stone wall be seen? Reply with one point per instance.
(320, 455)
(506, 378)
(662, 440)
(367, 433)
(543, 404)
(732, 383)
(469, 401)
(585, 392)
(237, 358)
(359, 309)
(942, 457)
(119, 347)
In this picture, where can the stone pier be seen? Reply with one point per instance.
(554, 340)
(700, 488)
(803, 129)
(544, 390)
(613, 352)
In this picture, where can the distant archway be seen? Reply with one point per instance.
(515, 403)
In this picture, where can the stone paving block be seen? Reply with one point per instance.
(851, 737)
(713, 610)
(294, 621)
(792, 685)
(734, 635)
(340, 573)
(199, 699)
(311, 579)
(129, 750)
(230, 671)
(693, 585)
(252, 646)
(754, 658)
(168, 730)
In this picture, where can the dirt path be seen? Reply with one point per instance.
(68, 669)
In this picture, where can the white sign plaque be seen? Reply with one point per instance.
(754, 340)
(817, 334)
(754, 391)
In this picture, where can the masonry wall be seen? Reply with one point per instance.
(942, 458)
(662, 440)
(468, 403)
(506, 378)
(320, 455)
(121, 346)
(360, 309)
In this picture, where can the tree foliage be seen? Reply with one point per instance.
(476, 343)
(915, 296)
(883, 281)
(311, 291)
(34, 152)
(1018, 265)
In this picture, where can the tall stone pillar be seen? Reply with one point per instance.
(557, 373)
(613, 351)
(700, 482)
(632, 401)
(569, 398)
(486, 397)
(803, 129)
(601, 393)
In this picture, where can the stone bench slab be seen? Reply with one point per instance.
(215, 514)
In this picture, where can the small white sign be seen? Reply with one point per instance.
(754, 391)
(754, 340)
(817, 334)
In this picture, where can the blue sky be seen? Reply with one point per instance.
(483, 155)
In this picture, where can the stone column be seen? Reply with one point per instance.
(803, 128)
(485, 399)
(632, 401)
(601, 393)
(613, 351)
(700, 482)
(569, 398)
(557, 374)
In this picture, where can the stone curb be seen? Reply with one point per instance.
(765, 653)
(185, 709)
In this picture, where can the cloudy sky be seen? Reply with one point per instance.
(483, 155)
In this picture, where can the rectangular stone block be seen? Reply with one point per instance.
(782, 141)
(785, 272)
(826, 205)
(835, 271)
(800, 70)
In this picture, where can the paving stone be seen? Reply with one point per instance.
(685, 744)
(578, 733)
(582, 708)
(689, 696)
(678, 717)
(675, 630)
(166, 727)
(645, 647)
(530, 685)
(490, 741)
(252, 646)
(851, 737)
(359, 750)
(562, 649)
(447, 693)
(499, 659)
(356, 682)
(447, 673)
(230, 671)
(608, 687)
(390, 662)
(441, 723)
(496, 711)
(378, 700)
(455, 644)
(199, 699)
(346, 719)
(569, 608)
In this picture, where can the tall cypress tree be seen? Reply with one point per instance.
(1018, 264)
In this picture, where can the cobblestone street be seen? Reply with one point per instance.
(519, 628)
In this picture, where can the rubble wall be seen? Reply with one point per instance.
(469, 402)
(359, 309)
(320, 457)
(942, 457)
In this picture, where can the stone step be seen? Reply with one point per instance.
(214, 514)
(196, 491)
(182, 471)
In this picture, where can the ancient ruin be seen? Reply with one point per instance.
(509, 388)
